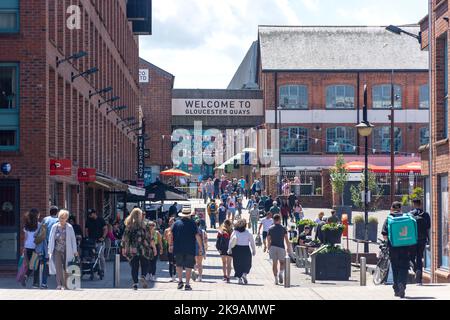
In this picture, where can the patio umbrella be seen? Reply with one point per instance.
(415, 167)
(174, 173)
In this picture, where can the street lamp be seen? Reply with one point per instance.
(365, 130)
(399, 31)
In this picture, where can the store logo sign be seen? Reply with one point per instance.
(144, 76)
(87, 174)
(61, 167)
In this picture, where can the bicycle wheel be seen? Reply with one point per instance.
(381, 272)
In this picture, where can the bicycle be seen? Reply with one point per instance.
(382, 269)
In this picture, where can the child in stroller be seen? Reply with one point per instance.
(90, 254)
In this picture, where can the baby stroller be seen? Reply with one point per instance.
(90, 263)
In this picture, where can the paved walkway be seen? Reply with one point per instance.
(261, 285)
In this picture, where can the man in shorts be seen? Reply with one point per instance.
(265, 224)
(185, 233)
(277, 242)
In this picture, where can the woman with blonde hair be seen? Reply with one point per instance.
(223, 239)
(137, 246)
(62, 248)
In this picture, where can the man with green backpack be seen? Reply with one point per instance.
(400, 230)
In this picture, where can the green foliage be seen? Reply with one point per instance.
(333, 227)
(332, 249)
(318, 191)
(307, 222)
(416, 194)
(405, 200)
(358, 219)
(375, 190)
(339, 176)
(373, 220)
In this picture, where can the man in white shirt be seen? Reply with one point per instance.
(266, 223)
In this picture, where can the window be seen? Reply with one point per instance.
(293, 97)
(9, 16)
(443, 223)
(381, 96)
(382, 141)
(340, 97)
(294, 140)
(424, 97)
(424, 136)
(9, 107)
(341, 140)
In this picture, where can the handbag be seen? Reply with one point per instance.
(258, 241)
(22, 269)
(34, 262)
(41, 234)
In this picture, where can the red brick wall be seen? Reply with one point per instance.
(57, 118)
(156, 102)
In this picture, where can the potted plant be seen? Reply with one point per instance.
(318, 191)
(332, 233)
(358, 227)
(406, 207)
(373, 228)
(339, 178)
(331, 263)
(302, 223)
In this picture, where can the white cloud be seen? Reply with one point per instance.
(202, 42)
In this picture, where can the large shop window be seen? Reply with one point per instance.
(293, 97)
(294, 140)
(9, 16)
(381, 96)
(443, 223)
(9, 107)
(341, 140)
(424, 136)
(340, 97)
(424, 97)
(382, 139)
(9, 220)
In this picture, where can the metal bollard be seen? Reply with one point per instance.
(117, 271)
(287, 272)
(363, 271)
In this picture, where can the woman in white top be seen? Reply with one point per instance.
(30, 229)
(240, 243)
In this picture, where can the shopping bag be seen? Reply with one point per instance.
(22, 269)
(34, 262)
(73, 274)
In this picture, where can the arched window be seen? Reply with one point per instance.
(341, 140)
(340, 97)
(382, 139)
(294, 140)
(381, 96)
(293, 97)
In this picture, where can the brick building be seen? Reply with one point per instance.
(156, 101)
(437, 260)
(48, 112)
(312, 80)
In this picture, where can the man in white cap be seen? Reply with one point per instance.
(185, 233)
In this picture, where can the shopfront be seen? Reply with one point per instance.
(9, 221)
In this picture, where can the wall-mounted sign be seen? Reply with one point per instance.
(144, 76)
(141, 159)
(87, 174)
(61, 167)
(147, 153)
(217, 107)
(6, 168)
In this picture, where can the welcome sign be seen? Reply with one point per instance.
(217, 107)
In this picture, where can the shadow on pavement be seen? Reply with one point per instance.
(420, 298)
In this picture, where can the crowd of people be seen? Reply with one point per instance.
(181, 236)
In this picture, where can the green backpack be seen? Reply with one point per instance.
(402, 230)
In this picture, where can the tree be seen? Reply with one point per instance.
(339, 176)
(374, 189)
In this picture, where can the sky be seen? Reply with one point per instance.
(203, 42)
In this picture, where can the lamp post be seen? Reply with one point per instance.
(365, 130)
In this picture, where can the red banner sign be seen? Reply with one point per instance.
(87, 174)
(61, 167)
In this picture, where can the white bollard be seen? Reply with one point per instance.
(363, 271)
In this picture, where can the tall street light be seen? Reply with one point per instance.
(365, 130)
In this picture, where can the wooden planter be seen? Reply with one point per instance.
(331, 266)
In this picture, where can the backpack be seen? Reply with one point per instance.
(402, 230)
(423, 223)
(222, 243)
(41, 234)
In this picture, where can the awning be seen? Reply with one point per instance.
(107, 182)
(136, 191)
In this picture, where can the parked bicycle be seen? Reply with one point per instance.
(382, 269)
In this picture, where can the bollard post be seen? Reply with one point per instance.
(363, 271)
(287, 272)
(117, 271)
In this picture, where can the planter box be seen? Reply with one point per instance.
(344, 210)
(331, 237)
(359, 232)
(332, 266)
(373, 232)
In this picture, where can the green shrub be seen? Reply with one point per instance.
(358, 219)
(333, 227)
(373, 220)
(405, 200)
(307, 222)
